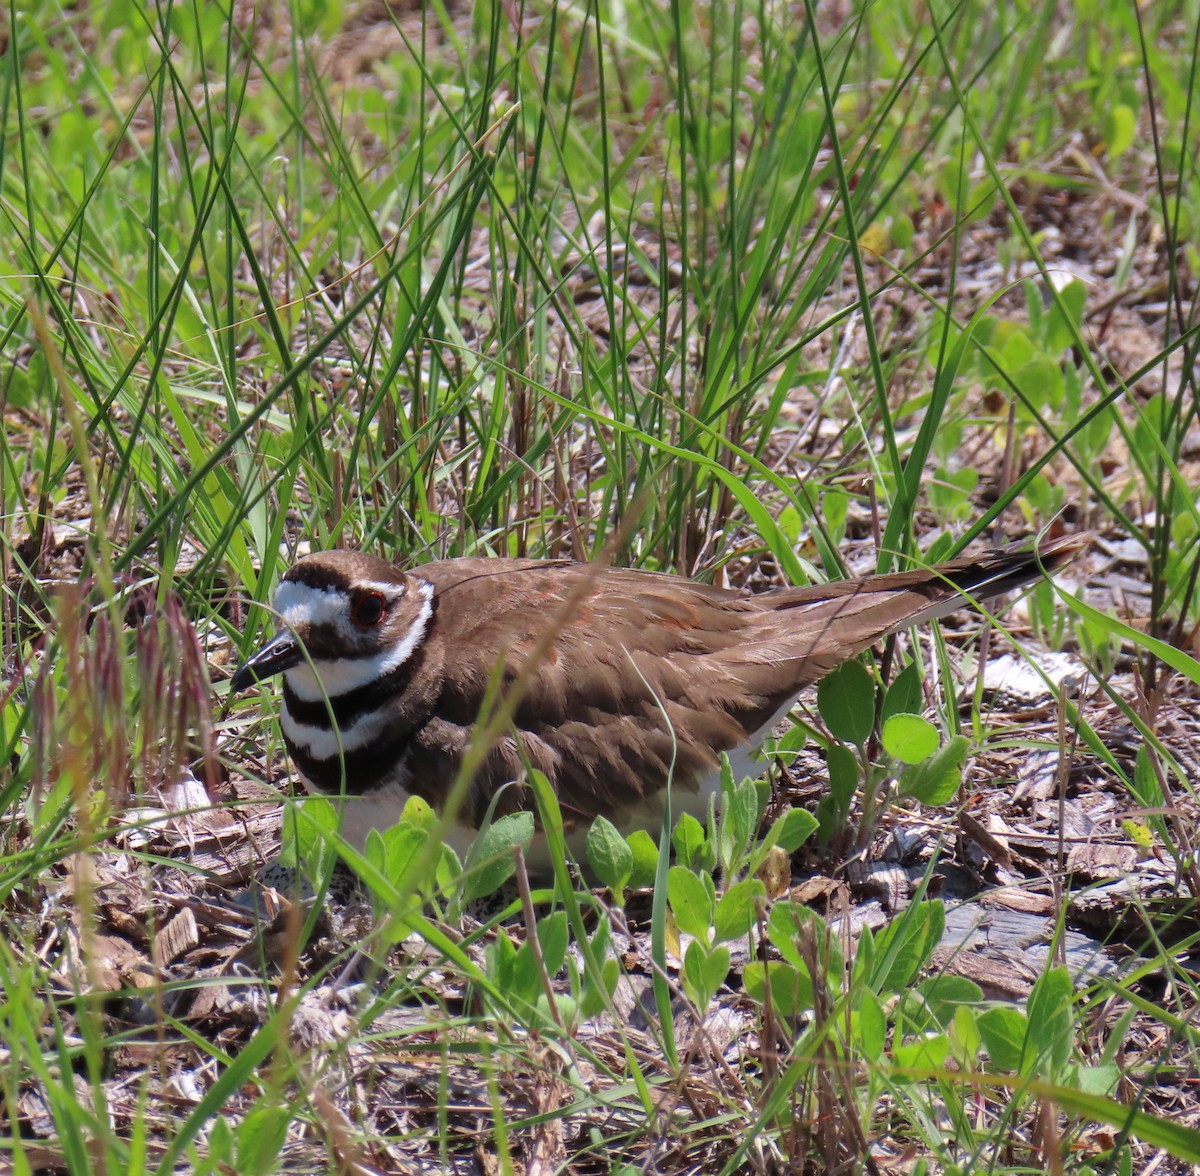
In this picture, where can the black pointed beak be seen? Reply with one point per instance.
(279, 654)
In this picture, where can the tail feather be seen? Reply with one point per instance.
(833, 622)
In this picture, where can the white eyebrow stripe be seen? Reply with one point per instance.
(390, 592)
(343, 675)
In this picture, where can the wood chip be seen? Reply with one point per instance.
(992, 845)
(1036, 678)
(1018, 898)
(179, 935)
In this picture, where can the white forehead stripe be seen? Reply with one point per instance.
(342, 675)
(302, 604)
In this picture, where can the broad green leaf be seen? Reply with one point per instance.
(688, 840)
(554, 936)
(738, 824)
(260, 1138)
(792, 829)
(843, 776)
(909, 738)
(904, 946)
(737, 910)
(1120, 123)
(904, 696)
(419, 812)
(945, 992)
(935, 780)
(609, 855)
(694, 981)
(645, 859)
(404, 846)
(870, 1025)
(925, 1053)
(491, 859)
(525, 981)
(1050, 1010)
(1003, 1031)
(1101, 1079)
(715, 968)
(790, 925)
(690, 902)
(790, 988)
(501, 958)
(965, 1037)
(846, 700)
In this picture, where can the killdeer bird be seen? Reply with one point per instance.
(640, 679)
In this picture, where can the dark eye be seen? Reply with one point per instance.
(367, 610)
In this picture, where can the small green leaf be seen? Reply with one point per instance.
(1003, 1030)
(965, 1038)
(905, 945)
(1145, 783)
(843, 776)
(449, 868)
(260, 1138)
(904, 695)
(790, 988)
(404, 845)
(596, 995)
(1065, 313)
(794, 929)
(792, 829)
(846, 700)
(790, 521)
(945, 993)
(609, 855)
(418, 812)
(737, 910)
(491, 858)
(220, 1141)
(909, 738)
(374, 849)
(645, 859)
(694, 982)
(924, 1053)
(305, 828)
(835, 505)
(715, 969)
(553, 935)
(525, 977)
(1051, 1021)
(871, 1025)
(738, 824)
(501, 957)
(935, 780)
(1041, 381)
(1120, 123)
(690, 902)
(688, 840)
(1101, 1079)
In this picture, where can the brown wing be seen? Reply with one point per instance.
(617, 695)
(640, 675)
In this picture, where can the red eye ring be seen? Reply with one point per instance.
(368, 610)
